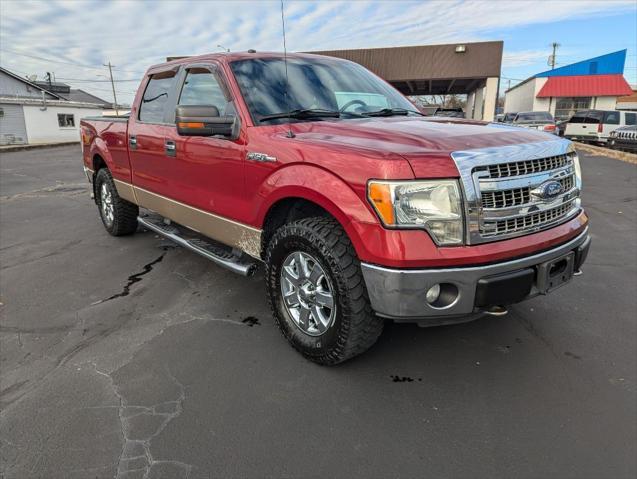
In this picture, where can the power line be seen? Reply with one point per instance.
(127, 92)
(85, 80)
(81, 65)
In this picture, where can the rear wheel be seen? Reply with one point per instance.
(317, 292)
(118, 215)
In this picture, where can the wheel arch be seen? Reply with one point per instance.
(294, 201)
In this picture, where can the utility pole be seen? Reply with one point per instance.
(552, 61)
(110, 71)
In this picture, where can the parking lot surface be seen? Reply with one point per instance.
(129, 357)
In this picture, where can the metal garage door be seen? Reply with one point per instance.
(12, 127)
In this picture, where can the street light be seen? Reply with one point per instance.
(224, 48)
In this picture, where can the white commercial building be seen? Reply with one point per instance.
(29, 114)
(590, 84)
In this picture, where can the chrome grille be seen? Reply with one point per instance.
(521, 223)
(627, 135)
(505, 170)
(517, 196)
(508, 191)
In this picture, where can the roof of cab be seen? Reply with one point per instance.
(233, 56)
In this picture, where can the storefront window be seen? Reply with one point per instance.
(566, 107)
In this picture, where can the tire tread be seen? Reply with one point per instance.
(360, 327)
(125, 212)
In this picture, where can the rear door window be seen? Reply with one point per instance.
(631, 118)
(594, 117)
(578, 118)
(155, 99)
(612, 118)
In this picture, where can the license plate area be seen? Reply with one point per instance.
(555, 273)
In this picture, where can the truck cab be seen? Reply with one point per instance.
(358, 207)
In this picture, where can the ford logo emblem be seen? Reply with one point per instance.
(548, 190)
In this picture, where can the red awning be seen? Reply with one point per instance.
(585, 85)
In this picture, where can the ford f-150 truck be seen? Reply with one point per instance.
(359, 207)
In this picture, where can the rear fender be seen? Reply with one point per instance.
(99, 148)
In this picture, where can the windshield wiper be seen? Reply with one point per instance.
(302, 114)
(391, 112)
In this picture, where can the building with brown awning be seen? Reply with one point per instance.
(472, 69)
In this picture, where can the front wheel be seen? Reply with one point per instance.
(317, 292)
(118, 215)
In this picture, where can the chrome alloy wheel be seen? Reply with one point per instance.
(106, 201)
(307, 293)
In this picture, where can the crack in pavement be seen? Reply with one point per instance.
(132, 279)
(135, 454)
(63, 359)
(139, 424)
(65, 189)
(62, 249)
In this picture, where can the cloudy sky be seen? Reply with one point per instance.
(75, 38)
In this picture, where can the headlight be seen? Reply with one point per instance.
(434, 205)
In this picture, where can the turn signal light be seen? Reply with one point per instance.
(191, 125)
(380, 195)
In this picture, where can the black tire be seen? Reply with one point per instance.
(355, 327)
(124, 221)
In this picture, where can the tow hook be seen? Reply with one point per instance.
(497, 311)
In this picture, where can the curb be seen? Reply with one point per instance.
(35, 147)
(616, 154)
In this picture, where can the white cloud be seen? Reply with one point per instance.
(523, 58)
(135, 34)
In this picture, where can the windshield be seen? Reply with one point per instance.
(534, 116)
(314, 85)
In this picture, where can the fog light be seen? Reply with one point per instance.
(442, 295)
(433, 294)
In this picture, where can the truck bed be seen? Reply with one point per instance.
(107, 136)
(107, 118)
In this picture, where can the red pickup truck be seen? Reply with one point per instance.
(360, 208)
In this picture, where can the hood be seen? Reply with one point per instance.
(425, 143)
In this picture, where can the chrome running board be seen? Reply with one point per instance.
(204, 247)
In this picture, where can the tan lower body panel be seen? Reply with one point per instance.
(231, 233)
(125, 190)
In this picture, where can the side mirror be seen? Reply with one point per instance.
(203, 120)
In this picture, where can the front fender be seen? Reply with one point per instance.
(321, 187)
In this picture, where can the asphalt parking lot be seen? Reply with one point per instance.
(129, 357)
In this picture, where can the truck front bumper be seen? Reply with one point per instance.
(466, 293)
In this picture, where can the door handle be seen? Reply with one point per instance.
(170, 148)
(132, 141)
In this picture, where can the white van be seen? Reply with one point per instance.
(596, 125)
